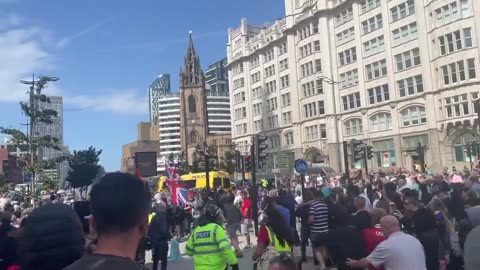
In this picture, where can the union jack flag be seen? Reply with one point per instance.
(178, 193)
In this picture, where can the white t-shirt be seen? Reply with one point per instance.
(299, 199)
(400, 251)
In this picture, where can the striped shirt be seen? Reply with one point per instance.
(319, 211)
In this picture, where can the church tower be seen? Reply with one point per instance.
(193, 117)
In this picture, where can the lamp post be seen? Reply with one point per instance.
(33, 110)
(335, 117)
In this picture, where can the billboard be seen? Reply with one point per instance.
(146, 164)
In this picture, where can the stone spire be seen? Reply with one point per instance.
(192, 74)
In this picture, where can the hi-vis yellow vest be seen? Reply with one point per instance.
(210, 248)
(276, 244)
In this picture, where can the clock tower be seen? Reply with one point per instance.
(193, 101)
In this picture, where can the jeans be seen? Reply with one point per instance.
(160, 253)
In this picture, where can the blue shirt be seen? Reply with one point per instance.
(285, 213)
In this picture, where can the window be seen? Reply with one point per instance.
(257, 92)
(461, 153)
(269, 55)
(193, 138)
(367, 5)
(319, 86)
(257, 108)
(238, 83)
(351, 101)
(346, 36)
(255, 77)
(269, 71)
(287, 118)
(349, 79)
(467, 35)
(318, 65)
(255, 62)
(240, 113)
(283, 49)
(344, 16)
(403, 10)
(239, 98)
(410, 86)
(378, 94)
(372, 24)
(315, 27)
(304, 32)
(455, 72)
(407, 59)
(271, 87)
(286, 100)
(374, 46)
(376, 69)
(405, 34)
(308, 89)
(413, 115)
(457, 106)
(314, 109)
(353, 127)
(192, 104)
(311, 133)
(451, 12)
(258, 125)
(453, 42)
(288, 138)
(307, 69)
(272, 104)
(284, 81)
(316, 45)
(273, 121)
(237, 69)
(283, 64)
(274, 141)
(347, 56)
(323, 131)
(306, 50)
(381, 121)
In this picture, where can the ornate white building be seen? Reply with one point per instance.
(391, 73)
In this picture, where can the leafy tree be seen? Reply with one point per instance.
(32, 142)
(198, 163)
(182, 164)
(84, 168)
(229, 161)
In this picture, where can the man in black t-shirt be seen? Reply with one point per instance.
(120, 204)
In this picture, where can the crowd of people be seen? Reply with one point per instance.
(391, 221)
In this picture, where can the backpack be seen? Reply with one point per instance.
(269, 254)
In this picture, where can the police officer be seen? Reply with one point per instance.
(209, 245)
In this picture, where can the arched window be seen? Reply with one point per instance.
(381, 121)
(193, 137)
(413, 115)
(274, 141)
(353, 127)
(460, 147)
(192, 104)
(288, 138)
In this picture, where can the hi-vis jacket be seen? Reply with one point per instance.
(210, 248)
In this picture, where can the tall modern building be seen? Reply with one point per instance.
(169, 124)
(391, 73)
(218, 98)
(158, 88)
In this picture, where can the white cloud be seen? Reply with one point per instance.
(126, 101)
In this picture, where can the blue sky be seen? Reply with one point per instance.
(106, 53)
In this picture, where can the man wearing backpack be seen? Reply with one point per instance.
(234, 219)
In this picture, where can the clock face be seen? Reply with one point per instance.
(193, 121)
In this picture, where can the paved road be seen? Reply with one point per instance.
(245, 263)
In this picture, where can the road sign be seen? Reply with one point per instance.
(301, 166)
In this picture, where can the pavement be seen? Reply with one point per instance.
(246, 262)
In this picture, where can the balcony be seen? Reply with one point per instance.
(169, 134)
(171, 146)
(162, 130)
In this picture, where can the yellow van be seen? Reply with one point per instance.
(197, 180)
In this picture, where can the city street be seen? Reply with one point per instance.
(245, 262)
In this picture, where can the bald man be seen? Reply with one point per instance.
(399, 251)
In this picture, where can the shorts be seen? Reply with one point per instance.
(246, 225)
(232, 229)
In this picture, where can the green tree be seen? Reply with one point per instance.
(84, 168)
(229, 161)
(182, 164)
(198, 163)
(36, 114)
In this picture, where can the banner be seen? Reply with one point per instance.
(146, 164)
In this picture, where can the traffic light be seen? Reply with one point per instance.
(358, 149)
(469, 149)
(260, 147)
(248, 163)
(238, 162)
(369, 151)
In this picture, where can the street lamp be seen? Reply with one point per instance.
(335, 117)
(32, 105)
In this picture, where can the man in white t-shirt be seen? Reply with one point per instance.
(399, 251)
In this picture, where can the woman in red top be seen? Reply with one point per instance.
(373, 236)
